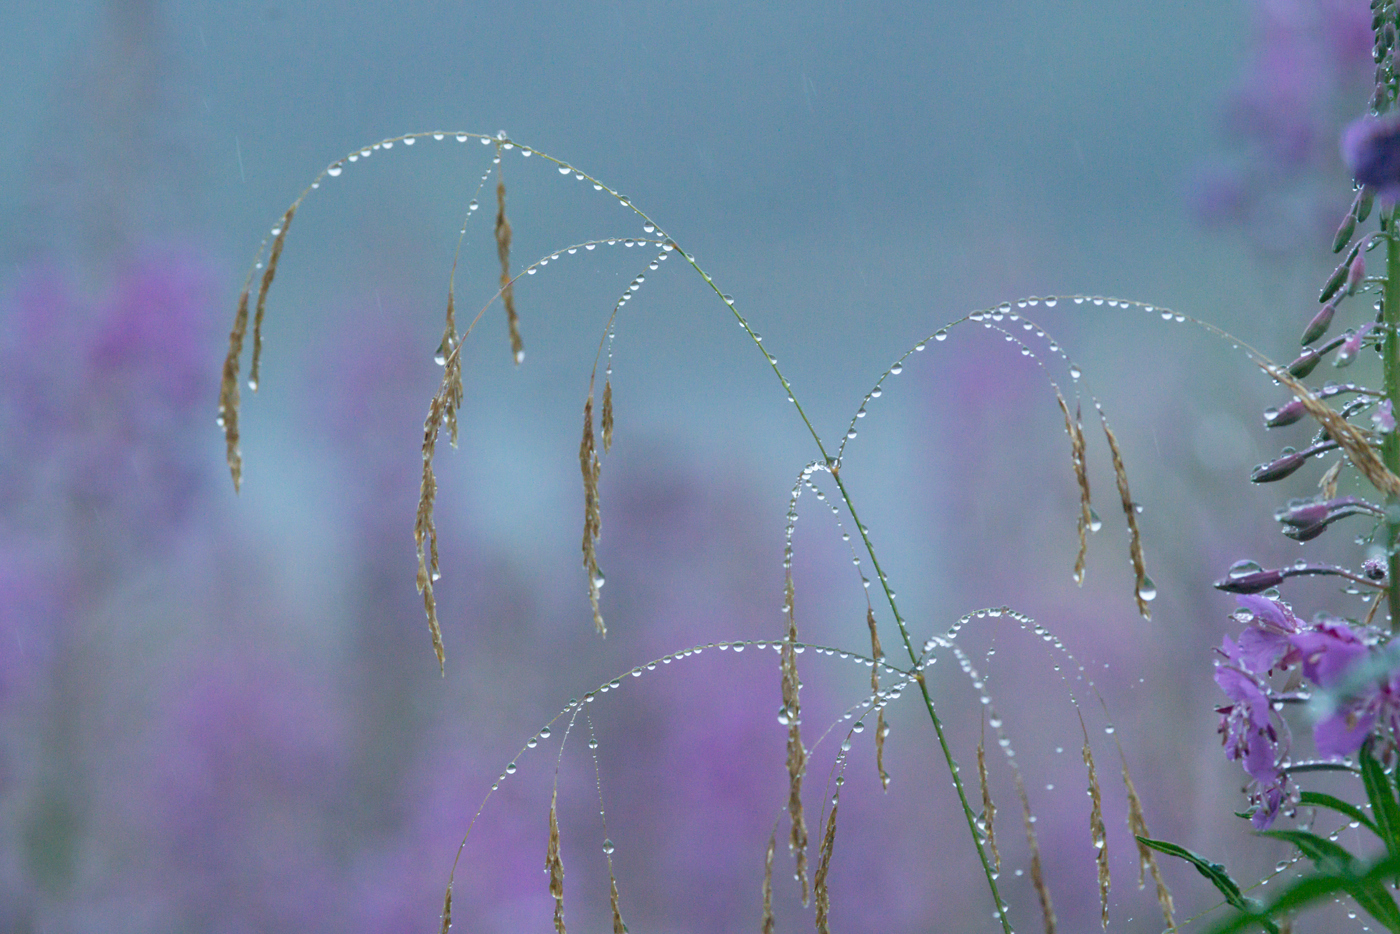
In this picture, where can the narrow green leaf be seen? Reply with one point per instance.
(1376, 902)
(1381, 794)
(1218, 877)
(1316, 888)
(1318, 799)
(1325, 854)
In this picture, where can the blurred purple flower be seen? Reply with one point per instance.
(1331, 654)
(102, 396)
(1280, 121)
(1371, 150)
(1328, 650)
(245, 765)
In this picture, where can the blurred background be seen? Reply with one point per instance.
(222, 713)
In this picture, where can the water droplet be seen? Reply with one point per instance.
(334, 170)
(544, 732)
(940, 336)
(510, 769)
(1244, 569)
(1095, 523)
(897, 369)
(253, 385)
(1075, 372)
(1146, 589)
(592, 740)
(608, 847)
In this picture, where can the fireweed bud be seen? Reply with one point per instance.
(1344, 232)
(1363, 205)
(1356, 272)
(1307, 362)
(1300, 513)
(1339, 275)
(1383, 417)
(1318, 325)
(1242, 579)
(1371, 149)
(1351, 347)
(1280, 468)
(1284, 415)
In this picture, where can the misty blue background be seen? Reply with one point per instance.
(855, 175)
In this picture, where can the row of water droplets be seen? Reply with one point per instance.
(993, 719)
(805, 480)
(1040, 631)
(978, 681)
(576, 706)
(993, 315)
(993, 318)
(503, 143)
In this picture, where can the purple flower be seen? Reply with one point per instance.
(1267, 799)
(1249, 734)
(1330, 653)
(1264, 644)
(1371, 149)
(1328, 650)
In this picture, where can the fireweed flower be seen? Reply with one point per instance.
(1371, 150)
(1248, 731)
(1264, 645)
(1332, 657)
(1247, 724)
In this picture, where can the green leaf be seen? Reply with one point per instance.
(1325, 854)
(1318, 799)
(1368, 889)
(1381, 793)
(1219, 878)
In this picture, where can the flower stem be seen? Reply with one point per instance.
(1390, 443)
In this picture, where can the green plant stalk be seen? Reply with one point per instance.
(1390, 441)
(968, 813)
